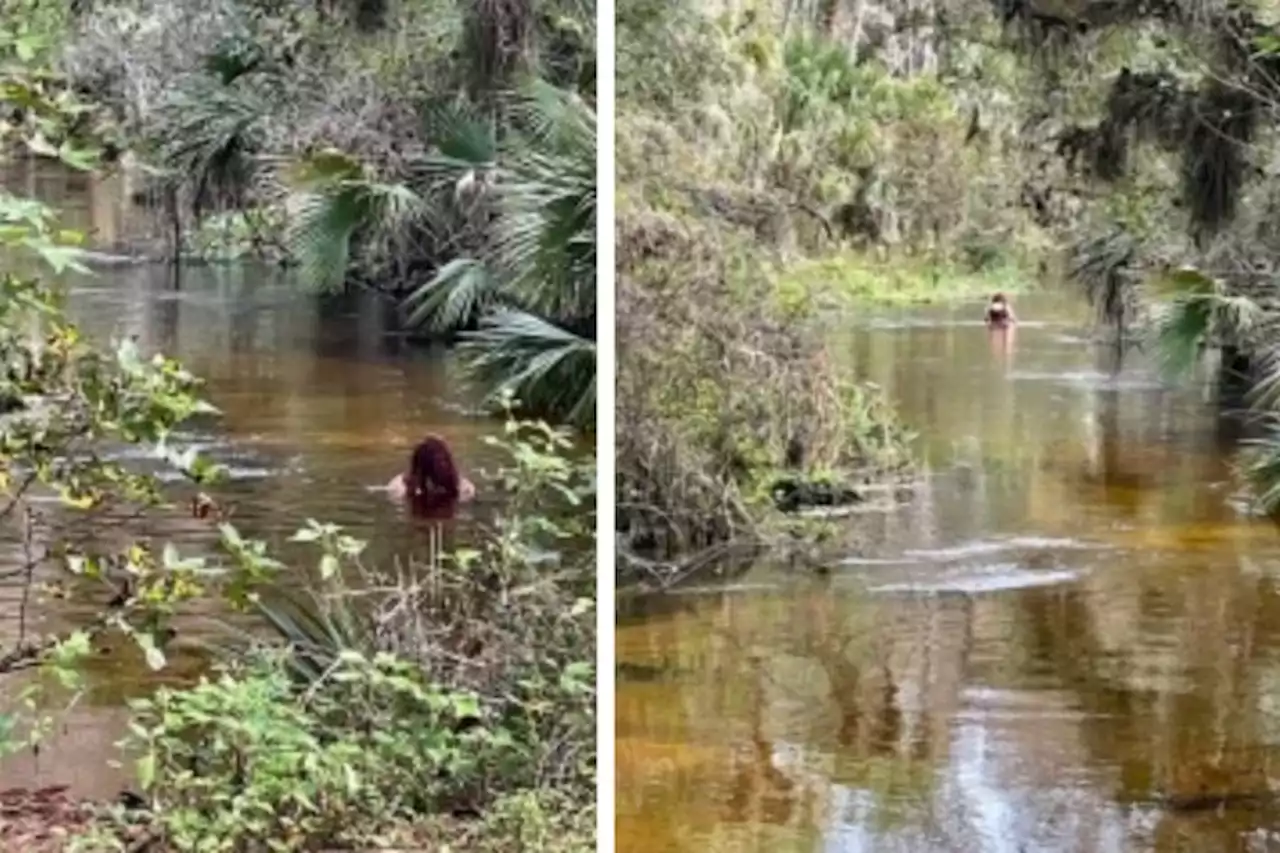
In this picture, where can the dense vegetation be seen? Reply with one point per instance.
(769, 171)
(779, 160)
(443, 153)
(445, 701)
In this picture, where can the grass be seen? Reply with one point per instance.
(848, 278)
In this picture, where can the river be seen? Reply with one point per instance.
(1069, 640)
(321, 402)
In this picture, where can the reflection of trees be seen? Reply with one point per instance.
(838, 696)
(1132, 685)
(1177, 716)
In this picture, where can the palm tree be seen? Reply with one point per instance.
(528, 296)
(1195, 311)
(1192, 312)
(521, 292)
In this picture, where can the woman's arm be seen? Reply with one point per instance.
(396, 488)
(466, 490)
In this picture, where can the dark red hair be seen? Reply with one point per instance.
(432, 484)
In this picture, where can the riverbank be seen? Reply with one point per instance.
(731, 402)
(774, 423)
(369, 145)
(364, 152)
(50, 820)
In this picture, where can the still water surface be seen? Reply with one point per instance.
(321, 404)
(1068, 641)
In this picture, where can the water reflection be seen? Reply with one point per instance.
(1069, 642)
(1001, 340)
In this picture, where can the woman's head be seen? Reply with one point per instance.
(433, 482)
(998, 299)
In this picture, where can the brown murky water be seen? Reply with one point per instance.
(321, 403)
(1069, 641)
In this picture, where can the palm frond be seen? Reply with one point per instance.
(542, 365)
(207, 133)
(1238, 317)
(320, 232)
(454, 297)
(333, 201)
(554, 118)
(1266, 392)
(460, 134)
(1196, 311)
(1262, 466)
(1102, 266)
(531, 288)
(1181, 327)
(544, 242)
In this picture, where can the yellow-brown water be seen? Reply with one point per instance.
(1069, 640)
(321, 403)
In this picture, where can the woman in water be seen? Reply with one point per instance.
(1000, 313)
(432, 486)
(1000, 321)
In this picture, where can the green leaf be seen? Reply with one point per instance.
(306, 534)
(61, 258)
(83, 159)
(74, 648)
(466, 706)
(145, 768)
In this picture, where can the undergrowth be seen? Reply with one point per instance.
(447, 699)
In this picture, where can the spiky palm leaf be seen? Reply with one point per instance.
(1262, 466)
(544, 244)
(542, 365)
(317, 631)
(532, 288)
(1195, 310)
(466, 147)
(1266, 392)
(1181, 327)
(542, 247)
(462, 136)
(334, 199)
(208, 134)
(1101, 265)
(459, 292)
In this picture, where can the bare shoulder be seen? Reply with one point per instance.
(396, 487)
